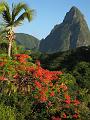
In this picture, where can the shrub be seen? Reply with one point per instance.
(37, 93)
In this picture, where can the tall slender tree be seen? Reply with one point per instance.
(14, 17)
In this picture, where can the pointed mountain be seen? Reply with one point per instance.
(71, 33)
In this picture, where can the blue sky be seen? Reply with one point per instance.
(48, 13)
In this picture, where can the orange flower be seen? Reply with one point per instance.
(38, 84)
(51, 84)
(56, 118)
(76, 102)
(22, 57)
(67, 101)
(3, 78)
(75, 116)
(64, 115)
(63, 86)
(67, 97)
(52, 94)
(43, 98)
(15, 76)
(30, 69)
(2, 64)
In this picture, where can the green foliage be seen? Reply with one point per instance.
(84, 111)
(65, 60)
(6, 112)
(70, 81)
(82, 74)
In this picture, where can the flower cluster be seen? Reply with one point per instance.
(44, 82)
(21, 57)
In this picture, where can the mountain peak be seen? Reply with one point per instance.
(71, 33)
(73, 15)
(74, 8)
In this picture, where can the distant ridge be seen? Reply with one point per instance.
(71, 33)
(28, 41)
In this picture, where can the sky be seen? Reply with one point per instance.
(48, 13)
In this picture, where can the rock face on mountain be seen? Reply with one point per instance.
(71, 33)
(28, 41)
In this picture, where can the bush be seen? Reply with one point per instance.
(37, 93)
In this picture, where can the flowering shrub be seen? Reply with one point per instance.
(45, 87)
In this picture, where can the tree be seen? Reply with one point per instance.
(12, 18)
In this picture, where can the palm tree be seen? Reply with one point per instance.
(12, 18)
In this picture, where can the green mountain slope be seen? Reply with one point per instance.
(28, 41)
(71, 33)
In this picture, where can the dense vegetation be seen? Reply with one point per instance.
(75, 62)
(30, 92)
(64, 60)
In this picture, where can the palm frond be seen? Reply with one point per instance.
(6, 14)
(2, 7)
(28, 15)
(3, 32)
(14, 18)
(16, 9)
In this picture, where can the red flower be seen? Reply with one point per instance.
(64, 115)
(22, 57)
(30, 69)
(38, 84)
(52, 94)
(67, 97)
(67, 106)
(75, 116)
(56, 118)
(76, 102)
(3, 78)
(43, 98)
(51, 84)
(2, 64)
(63, 86)
(15, 76)
(67, 101)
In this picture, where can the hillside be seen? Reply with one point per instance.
(71, 33)
(65, 60)
(28, 41)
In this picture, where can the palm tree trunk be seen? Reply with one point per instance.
(10, 39)
(9, 48)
